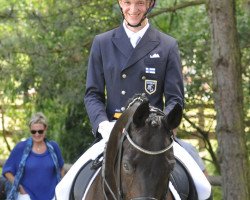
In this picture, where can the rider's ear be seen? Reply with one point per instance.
(174, 117)
(141, 113)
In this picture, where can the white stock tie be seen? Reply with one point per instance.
(135, 40)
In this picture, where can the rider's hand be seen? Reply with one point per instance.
(105, 129)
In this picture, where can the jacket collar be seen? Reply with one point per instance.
(148, 42)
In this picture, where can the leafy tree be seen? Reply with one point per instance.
(44, 48)
(228, 91)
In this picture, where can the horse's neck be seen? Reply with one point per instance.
(96, 189)
(169, 196)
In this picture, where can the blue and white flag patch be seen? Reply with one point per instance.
(150, 70)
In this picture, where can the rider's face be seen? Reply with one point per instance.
(134, 10)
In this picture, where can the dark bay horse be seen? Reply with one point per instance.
(139, 156)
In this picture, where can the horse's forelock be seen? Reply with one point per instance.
(153, 120)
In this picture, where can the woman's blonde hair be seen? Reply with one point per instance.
(38, 118)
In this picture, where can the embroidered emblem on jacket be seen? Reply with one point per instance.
(150, 86)
(156, 55)
(150, 70)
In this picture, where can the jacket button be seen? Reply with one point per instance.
(123, 92)
(143, 77)
(122, 109)
(124, 76)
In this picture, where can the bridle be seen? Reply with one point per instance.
(137, 147)
(144, 150)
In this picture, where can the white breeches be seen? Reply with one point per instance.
(203, 187)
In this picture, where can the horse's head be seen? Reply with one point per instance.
(144, 155)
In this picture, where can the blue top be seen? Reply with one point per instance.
(39, 179)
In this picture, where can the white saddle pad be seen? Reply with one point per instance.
(202, 185)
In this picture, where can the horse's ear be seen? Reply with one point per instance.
(173, 119)
(141, 113)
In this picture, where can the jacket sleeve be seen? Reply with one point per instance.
(173, 86)
(94, 98)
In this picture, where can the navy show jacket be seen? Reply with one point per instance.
(117, 71)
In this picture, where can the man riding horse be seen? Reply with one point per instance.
(133, 58)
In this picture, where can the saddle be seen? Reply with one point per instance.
(183, 182)
(84, 178)
(179, 177)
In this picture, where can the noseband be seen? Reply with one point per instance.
(137, 147)
(144, 150)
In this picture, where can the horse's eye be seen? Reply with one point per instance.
(127, 167)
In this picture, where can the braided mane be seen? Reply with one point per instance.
(136, 98)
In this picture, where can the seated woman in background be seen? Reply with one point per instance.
(35, 165)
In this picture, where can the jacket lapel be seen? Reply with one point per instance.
(122, 42)
(146, 45)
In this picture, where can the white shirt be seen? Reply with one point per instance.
(135, 37)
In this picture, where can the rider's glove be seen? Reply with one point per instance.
(105, 129)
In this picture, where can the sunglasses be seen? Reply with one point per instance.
(38, 131)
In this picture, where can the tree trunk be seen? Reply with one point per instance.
(229, 100)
